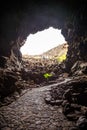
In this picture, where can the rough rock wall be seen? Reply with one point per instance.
(19, 19)
(75, 32)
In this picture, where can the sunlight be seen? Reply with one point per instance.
(42, 41)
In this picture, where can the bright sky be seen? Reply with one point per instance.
(42, 41)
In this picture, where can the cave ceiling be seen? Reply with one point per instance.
(20, 18)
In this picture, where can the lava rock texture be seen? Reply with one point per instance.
(18, 19)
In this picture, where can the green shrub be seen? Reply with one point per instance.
(61, 58)
(47, 75)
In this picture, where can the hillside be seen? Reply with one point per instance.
(56, 51)
(52, 53)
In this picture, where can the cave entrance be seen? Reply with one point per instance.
(42, 53)
(42, 43)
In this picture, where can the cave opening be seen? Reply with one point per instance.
(42, 54)
(43, 43)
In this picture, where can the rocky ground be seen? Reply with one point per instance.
(30, 101)
(17, 78)
(31, 112)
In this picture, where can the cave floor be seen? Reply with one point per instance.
(30, 112)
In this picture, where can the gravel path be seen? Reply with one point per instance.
(30, 112)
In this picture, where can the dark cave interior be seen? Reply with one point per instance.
(19, 19)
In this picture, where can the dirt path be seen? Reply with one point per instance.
(30, 112)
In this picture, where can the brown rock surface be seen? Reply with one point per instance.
(73, 94)
(31, 112)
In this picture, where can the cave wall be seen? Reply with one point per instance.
(19, 19)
